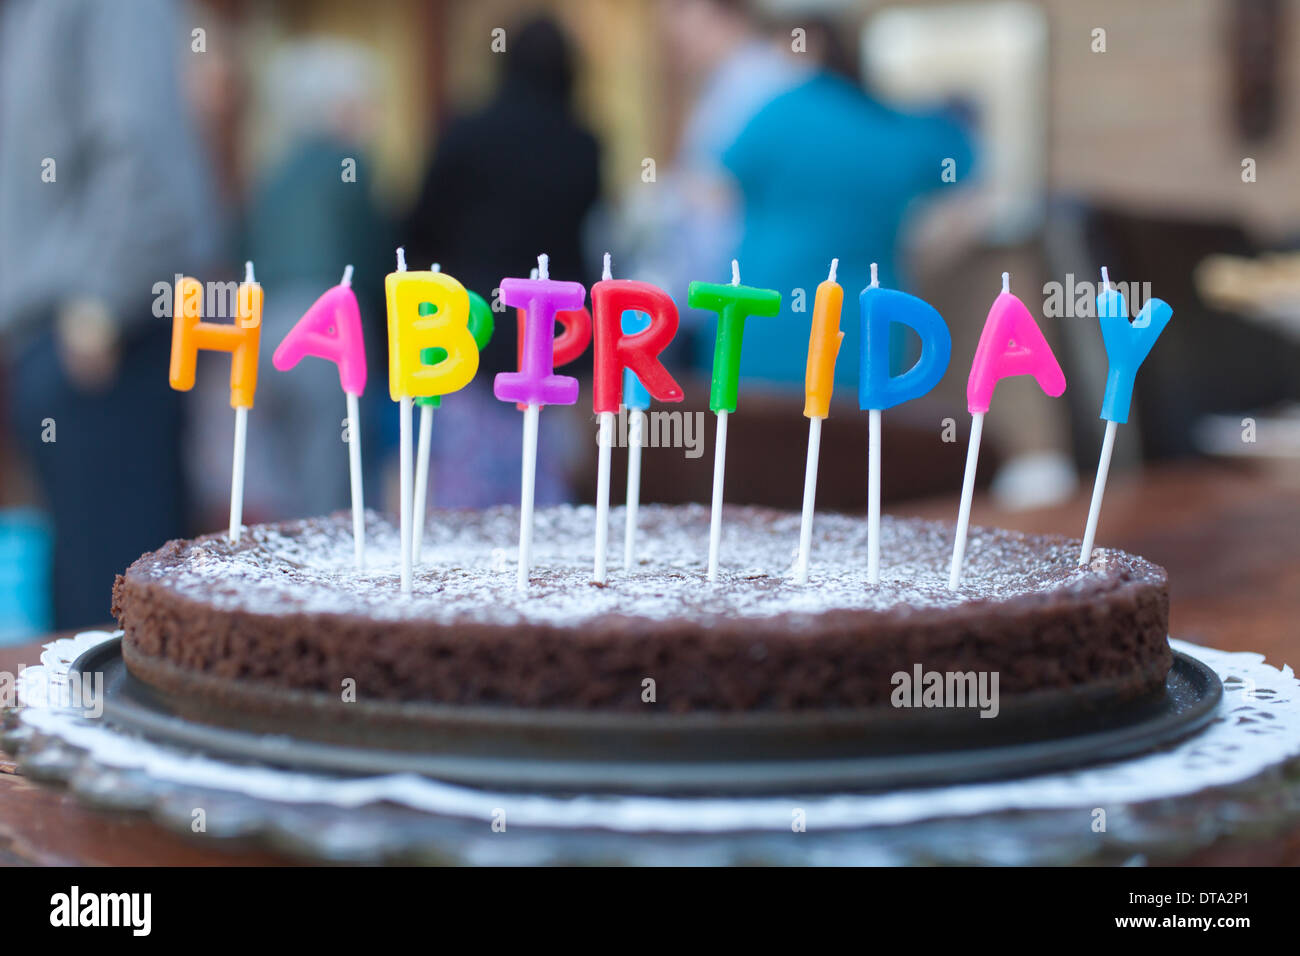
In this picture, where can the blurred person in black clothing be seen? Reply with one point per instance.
(512, 180)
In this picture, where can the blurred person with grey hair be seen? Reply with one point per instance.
(787, 162)
(690, 225)
(104, 193)
(311, 212)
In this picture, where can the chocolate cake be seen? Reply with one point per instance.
(286, 608)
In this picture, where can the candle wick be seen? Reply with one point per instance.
(735, 272)
(532, 273)
(1006, 282)
(607, 274)
(248, 272)
(543, 266)
(401, 258)
(835, 264)
(875, 277)
(347, 275)
(1105, 278)
(435, 267)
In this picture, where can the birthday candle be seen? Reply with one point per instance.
(615, 353)
(879, 390)
(819, 383)
(331, 329)
(733, 303)
(637, 401)
(1010, 344)
(569, 343)
(243, 341)
(410, 332)
(481, 326)
(426, 404)
(1127, 346)
(536, 384)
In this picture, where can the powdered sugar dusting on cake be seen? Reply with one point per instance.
(468, 573)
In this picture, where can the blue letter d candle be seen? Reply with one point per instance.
(879, 307)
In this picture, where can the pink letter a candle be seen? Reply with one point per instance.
(331, 329)
(1011, 344)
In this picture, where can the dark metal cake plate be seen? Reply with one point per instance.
(559, 751)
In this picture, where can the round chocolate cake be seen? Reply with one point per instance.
(286, 608)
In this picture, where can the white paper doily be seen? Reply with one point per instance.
(1257, 729)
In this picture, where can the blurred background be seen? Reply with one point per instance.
(947, 141)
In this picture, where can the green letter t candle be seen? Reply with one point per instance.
(733, 303)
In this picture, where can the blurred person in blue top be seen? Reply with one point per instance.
(817, 169)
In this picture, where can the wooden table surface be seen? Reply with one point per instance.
(1229, 536)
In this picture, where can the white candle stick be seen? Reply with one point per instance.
(810, 474)
(354, 473)
(404, 465)
(873, 496)
(605, 442)
(967, 494)
(237, 474)
(602, 496)
(1103, 471)
(719, 470)
(1098, 489)
(715, 516)
(968, 483)
(809, 496)
(873, 477)
(636, 433)
(527, 488)
(420, 504)
(404, 462)
(354, 465)
(241, 445)
(528, 470)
